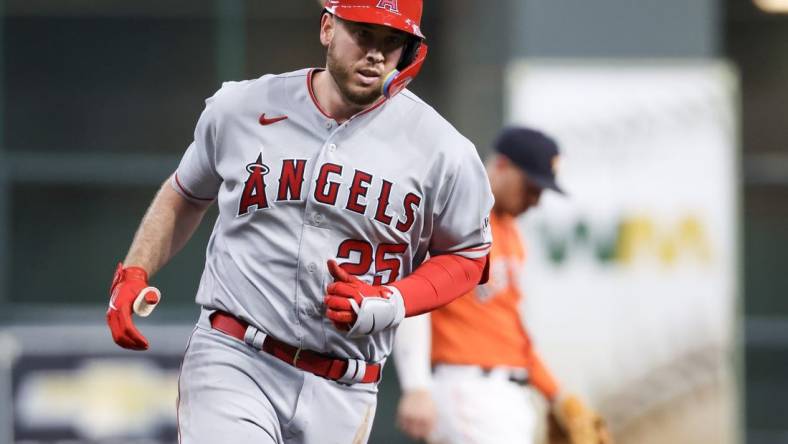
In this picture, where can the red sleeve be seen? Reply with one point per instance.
(438, 281)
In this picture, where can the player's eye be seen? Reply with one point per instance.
(362, 35)
(393, 41)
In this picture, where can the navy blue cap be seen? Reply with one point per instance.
(533, 152)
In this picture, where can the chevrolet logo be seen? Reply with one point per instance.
(104, 398)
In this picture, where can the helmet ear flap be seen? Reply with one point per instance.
(409, 52)
(397, 79)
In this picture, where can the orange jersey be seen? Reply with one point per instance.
(484, 327)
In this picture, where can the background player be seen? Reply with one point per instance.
(481, 355)
(332, 191)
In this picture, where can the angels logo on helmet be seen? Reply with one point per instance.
(390, 5)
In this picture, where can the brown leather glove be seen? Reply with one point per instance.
(572, 422)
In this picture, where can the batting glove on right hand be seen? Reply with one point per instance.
(130, 292)
(360, 308)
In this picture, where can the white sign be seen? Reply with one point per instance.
(631, 279)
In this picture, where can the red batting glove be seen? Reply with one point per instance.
(126, 286)
(344, 289)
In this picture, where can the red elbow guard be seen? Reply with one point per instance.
(440, 280)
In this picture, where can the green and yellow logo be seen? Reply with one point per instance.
(632, 239)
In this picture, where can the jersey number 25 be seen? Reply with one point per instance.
(384, 265)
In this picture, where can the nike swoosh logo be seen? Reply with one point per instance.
(264, 121)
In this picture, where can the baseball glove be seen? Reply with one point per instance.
(572, 422)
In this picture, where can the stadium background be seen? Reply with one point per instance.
(99, 98)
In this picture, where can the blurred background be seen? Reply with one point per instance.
(671, 115)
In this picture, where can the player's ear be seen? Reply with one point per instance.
(500, 162)
(327, 27)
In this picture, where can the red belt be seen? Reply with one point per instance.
(307, 360)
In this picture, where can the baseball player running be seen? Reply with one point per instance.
(481, 355)
(345, 204)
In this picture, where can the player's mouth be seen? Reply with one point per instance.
(368, 77)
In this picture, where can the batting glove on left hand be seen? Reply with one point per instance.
(130, 292)
(360, 308)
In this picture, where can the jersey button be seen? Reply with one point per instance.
(329, 124)
(312, 267)
(318, 218)
(332, 148)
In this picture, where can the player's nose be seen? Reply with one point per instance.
(374, 55)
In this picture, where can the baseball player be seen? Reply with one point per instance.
(345, 205)
(480, 353)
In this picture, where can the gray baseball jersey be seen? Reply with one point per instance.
(379, 193)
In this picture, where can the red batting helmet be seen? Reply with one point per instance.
(404, 15)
